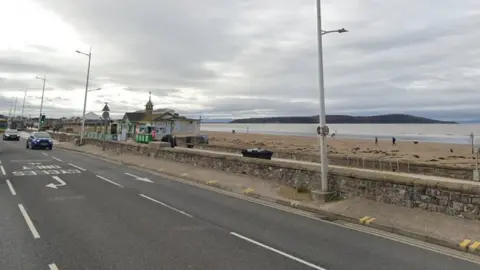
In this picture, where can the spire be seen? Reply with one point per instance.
(149, 105)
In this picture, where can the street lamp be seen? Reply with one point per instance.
(86, 92)
(44, 79)
(323, 130)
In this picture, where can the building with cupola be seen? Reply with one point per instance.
(158, 123)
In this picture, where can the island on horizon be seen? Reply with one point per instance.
(344, 119)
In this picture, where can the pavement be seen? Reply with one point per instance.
(66, 210)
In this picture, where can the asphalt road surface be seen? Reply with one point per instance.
(65, 210)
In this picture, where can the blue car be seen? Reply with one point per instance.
(39, 140)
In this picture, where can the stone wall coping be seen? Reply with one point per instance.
(462, 186)
(353, 156)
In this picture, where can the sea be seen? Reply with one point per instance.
(441, 133)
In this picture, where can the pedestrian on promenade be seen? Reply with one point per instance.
(394, 141)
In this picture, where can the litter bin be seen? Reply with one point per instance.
(148, 138)
(257, 153)
(189, 141)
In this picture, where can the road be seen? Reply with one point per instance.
(65, 210)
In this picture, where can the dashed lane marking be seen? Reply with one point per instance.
(166, 205)
(57, 159)
(45, 154)
(53, 266)
(29, 222)
(309, 264)
(12, 190)
(110, 181)
(75, 166)
(3, 170)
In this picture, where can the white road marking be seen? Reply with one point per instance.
(166, 205)
(132, 175)
(53, 266)
(379, 233)
(80, 168)
(58, 179)
(277, 251)
(3, 170)
(57, 159)
(110, 181)
(45, 154)
(11, 187)
(144, 179)
(29, 221)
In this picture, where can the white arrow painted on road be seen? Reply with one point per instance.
(144, 179)
(52, 185)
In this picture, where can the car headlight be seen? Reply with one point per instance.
(50, 141)
(36, 140)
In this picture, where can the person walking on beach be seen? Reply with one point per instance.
(376, 140)
(394, 141)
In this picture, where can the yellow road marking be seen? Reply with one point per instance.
(248, 190)
(473, 247)
(370, 220)
(464, 244)
(211, 182)
(366, 220)
(362, 220)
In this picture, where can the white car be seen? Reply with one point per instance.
(11, 134)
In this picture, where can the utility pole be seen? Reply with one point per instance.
(24, 98)
(15, 108)
(44, 79)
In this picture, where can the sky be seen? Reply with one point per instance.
(242, 58)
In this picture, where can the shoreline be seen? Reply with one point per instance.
(344, 131)
(430, 152)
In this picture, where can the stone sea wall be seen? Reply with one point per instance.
(455, 198)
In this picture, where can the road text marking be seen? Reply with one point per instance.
(29, 221)
(80, 168)
(166, 205)
(53, 266)
(108, 180)
(11, 187)
(3, 170)
(277, 251)
(57, 159)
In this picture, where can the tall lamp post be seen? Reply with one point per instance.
(24, 98)
(323, 130)
(44, 79)
(89, 54)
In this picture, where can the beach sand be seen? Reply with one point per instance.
(423, 151)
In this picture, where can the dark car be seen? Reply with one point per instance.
(39, 140)
(11, 134)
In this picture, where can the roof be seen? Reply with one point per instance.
(134, 116)
(92, 116)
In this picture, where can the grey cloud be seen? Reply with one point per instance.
(402, 56)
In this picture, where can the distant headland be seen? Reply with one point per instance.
(344, 119)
